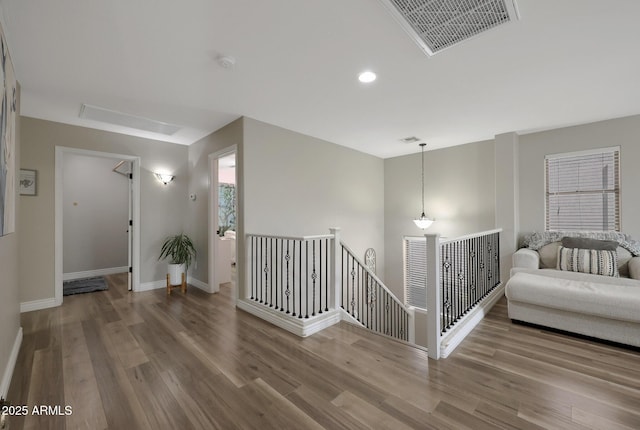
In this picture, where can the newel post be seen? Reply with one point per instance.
(335, 299)
(412, 324)
(433, 295)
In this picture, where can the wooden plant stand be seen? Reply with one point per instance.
(183, 285)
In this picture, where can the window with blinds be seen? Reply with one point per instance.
(415, 272)
(583, 190)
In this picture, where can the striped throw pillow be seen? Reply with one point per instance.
(594, 261)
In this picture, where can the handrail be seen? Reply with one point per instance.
(444, 240)
(301, 238)
(374, 276)
(471, 236)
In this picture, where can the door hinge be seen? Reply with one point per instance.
(130, 269)
(130, 175)
(131, 222)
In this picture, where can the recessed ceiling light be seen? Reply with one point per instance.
(367, 77)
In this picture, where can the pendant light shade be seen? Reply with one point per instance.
(424, 221)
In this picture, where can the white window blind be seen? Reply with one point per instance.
(415, 272)
(583, 190)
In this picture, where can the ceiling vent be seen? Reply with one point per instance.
(118, 118)
(436, 25)
(410, 139)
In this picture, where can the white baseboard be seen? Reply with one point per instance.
(450, 341)
(200, 285)
(36, 305)
(11, 365)
(92, 273)
(302, 327)
(156, 285)
(153, 285)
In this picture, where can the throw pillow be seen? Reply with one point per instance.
(594, 261)
(586, 243)
(549, 255)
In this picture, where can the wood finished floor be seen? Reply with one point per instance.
(148, 361)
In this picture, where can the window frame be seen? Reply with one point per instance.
(617, 177)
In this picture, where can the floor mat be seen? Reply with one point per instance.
(87, 285)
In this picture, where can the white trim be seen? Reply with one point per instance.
(213, 210)
(162, 283)
(60, 151)
(200, 285)
(580, 153)
(36, 305)
(302, 327)
(559, 156)
(92, 273)
(153, 285)
(462, 328)
(300, 238)
(11, 365)
(347, 317)
(443, 240)
(433, 296)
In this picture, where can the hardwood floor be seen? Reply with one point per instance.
(148, 361)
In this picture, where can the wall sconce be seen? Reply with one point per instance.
(165, 178)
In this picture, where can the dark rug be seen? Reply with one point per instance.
(87, 285)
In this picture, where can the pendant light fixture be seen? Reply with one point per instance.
(423, 222)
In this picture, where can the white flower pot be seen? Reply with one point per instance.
(175, 273)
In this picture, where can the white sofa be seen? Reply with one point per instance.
(604, 307)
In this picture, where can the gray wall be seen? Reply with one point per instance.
(196, 222)
(623, 132)
(162, 207)
(298, 185)
(95, 214)
(9, 289)
(459, 195)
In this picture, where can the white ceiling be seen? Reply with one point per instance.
(564, 62)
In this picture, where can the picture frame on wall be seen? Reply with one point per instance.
(28, 182)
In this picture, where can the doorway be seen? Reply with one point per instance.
(72, 206)
(222, 218)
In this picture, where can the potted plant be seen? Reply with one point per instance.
(180, 251)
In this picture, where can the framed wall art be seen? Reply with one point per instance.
(28, 182)
(8, 187)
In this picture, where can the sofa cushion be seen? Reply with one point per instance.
(603, 299)
(594, 261)
(587, 243)
(576, 276)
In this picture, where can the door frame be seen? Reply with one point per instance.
(214, 285)
(60, 152)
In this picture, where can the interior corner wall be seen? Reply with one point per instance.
(161, 211)
(298, 185)
(459, 195)
(196, 222)
(507, 188)
(623, 132)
